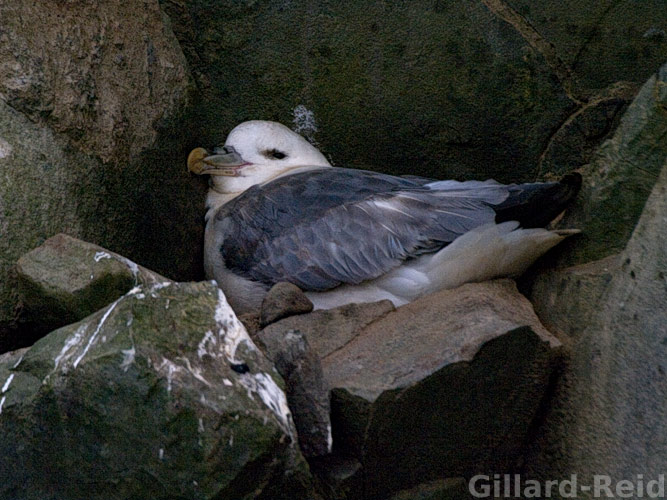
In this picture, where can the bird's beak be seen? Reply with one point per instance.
(225, 161)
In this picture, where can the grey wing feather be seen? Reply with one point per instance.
(360, 240)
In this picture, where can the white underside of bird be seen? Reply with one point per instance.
(486, 252)
(258, 154)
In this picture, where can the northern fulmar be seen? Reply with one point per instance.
(278, 211)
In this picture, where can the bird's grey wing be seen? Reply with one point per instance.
(362, 239)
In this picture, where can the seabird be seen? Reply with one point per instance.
(278, 211)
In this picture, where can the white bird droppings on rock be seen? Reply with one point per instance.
(101, 255)
(71, 342)
(202, 348)
(128, 358)
(271, 395)
(230, 330)
(93, 337)
(9, 381)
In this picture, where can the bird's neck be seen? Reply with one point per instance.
(216, 199)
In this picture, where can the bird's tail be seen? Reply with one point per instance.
(537, 204)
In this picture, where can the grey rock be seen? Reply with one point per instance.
(443, 387)
(619, 180)
(442, 489)
(283, 299)
(93, 107)
(440, 89)
(566, 299)
(65, 279)
(161, 394)
(610, 408)
(307, 393)
(103, 74)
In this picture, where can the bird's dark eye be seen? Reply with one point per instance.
(274, 154)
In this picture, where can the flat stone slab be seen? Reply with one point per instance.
(66, 279)
(444, 387)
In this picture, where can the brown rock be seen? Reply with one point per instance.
(329, 329)
(66, 279)
(307, 392)
(284, 299)
(446, 386)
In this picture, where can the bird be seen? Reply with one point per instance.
(277, 210)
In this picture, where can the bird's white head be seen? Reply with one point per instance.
(255, 152)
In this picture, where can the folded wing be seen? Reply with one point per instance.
(321, 228)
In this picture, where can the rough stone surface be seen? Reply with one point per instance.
(160, 395)
(619, 180)
(307, 393)
(92, 113)
(566, 299)
(283, 299)
(328, 330)
(464, 370)
(66, 279)
(444, 89)
(442, 489)
(601, 42)
(105, 73)
(610, 410)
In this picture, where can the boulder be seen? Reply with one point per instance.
(161, 394)
(618, 181)
(307, 392)
(446, 386)
(93, 105)
(283, 299)
(66, 279)
(104, 74)
(609, 411)
(326, 330)
(566, 299)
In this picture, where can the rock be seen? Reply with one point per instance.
(104, 74)
(307, 393)
(283, 299)
(442, 489)
(159, 395)
(577, 140)
(329, 329)
(93, 136)
(66, 279)
(609, 412)
(446, 386)
(440, 89)
(566, 299)
(618, 182)
(602, 44)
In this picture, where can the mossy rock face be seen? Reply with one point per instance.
(444, 89)
(89, 146)
(161, 394)
(618, 181)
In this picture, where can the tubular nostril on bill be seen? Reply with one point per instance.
(223, 150)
